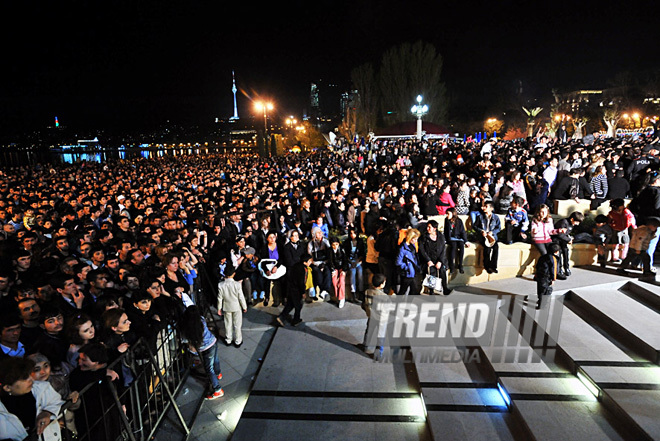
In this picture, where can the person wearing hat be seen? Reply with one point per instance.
(637, 168)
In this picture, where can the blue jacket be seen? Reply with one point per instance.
(520, 217)
(406, 261)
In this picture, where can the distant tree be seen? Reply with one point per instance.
(365, 107)
(409, 70)
(578, 124)
(348, 127)
(531, 118)
(611, 117)
(310, 136)
(514, 133)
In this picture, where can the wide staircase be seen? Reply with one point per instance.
(600, 378)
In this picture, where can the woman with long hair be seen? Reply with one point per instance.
(518, 185)
(271, 266)
(445, 199)
(202, 341)
(79, 331)
(542, 228)
(173, 275)
(433, 254)
(407, 263)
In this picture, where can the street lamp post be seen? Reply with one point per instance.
(419, 110)
(290, 123)
(265, 107)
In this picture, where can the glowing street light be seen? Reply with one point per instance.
(264, 107)
(419, 110)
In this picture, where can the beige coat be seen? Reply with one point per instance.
(230, 296)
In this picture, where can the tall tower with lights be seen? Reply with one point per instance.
(234, 90)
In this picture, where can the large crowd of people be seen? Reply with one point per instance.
(94, 256)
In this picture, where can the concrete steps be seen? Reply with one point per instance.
(546, 397)
(626, 319)
(645, 293)
(461, 403)
(314, 383)
(599, 339)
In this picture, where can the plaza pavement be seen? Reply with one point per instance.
(313, 381)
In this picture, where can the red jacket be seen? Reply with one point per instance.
(621, 221)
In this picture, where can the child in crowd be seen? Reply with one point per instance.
(602, 238)
(202, 341)
(547, 269)
(231, 303)
(639, 245)
(621, 219)
(42, 372)
(516, 221)
(563, 239)
(378, 282)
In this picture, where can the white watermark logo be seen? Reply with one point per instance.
(459, 327)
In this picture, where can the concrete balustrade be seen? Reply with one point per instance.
(515, 260)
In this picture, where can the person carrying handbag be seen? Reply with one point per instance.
(433, 256)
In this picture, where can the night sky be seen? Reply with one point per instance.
(109, 64)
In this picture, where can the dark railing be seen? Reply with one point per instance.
(110, 411)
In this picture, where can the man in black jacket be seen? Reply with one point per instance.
(571, 187)
(638, 166)
(295, 289)
(618, 187)
(647, 205)
(386, 245)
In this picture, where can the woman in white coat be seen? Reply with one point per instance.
(26, 406)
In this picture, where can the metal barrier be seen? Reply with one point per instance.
(113, 411)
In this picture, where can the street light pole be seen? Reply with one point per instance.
(419, 110)
(265, 107)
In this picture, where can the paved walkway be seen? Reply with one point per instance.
(312, 380)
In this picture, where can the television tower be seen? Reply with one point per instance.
(234, 90)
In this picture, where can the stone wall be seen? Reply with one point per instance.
(518, 259)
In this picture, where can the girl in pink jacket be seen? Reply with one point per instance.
(543, 228)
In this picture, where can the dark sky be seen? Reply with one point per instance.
(138, 63)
